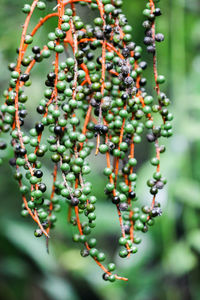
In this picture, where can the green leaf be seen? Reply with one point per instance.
(180, 259)
(188, 192)
(194, 239)
(23, 238)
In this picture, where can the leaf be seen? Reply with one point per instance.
(23, 238)
(180, 259)
(194, 239)
(58, 288)
(188, 192)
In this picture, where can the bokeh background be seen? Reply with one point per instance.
(167, 265)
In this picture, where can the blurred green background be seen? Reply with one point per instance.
(167, 265)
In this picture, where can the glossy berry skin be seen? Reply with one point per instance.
(116, 200)
(36, 49)
(39, 127)
(24, 77)
(74, 201)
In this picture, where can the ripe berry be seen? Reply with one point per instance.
(58, 130)
(36, 49)
(74, 201)
(39, 127)
(116, 200)
(38, 173)
(159, 37)
(24, 77)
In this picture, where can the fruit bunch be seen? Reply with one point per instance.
(94, 103)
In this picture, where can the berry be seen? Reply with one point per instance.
(24, 77)
(74, 201)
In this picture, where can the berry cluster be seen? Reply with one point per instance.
(95, 103)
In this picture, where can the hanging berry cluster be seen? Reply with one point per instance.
(94, 103)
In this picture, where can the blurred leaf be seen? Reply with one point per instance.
(194, 239)
(72, 260)
(13, 266)
(187, 192)
(23, 238)
(180, 259)
(58, 288)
